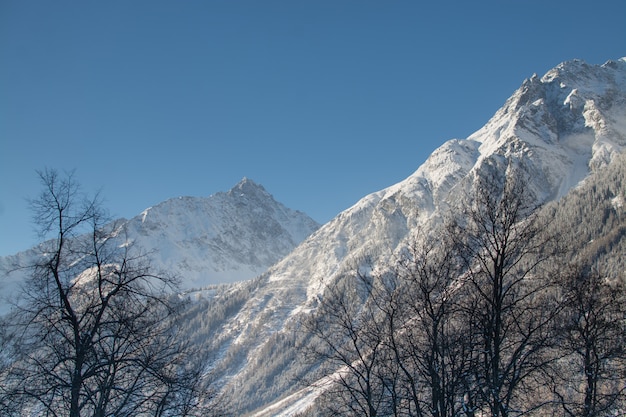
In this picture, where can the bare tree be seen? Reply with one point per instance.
(426, 350)
(348, 337)
(94, 333)
(393, 336)
(429, 342)
(460, 325)
(510, 304)
(592, 380)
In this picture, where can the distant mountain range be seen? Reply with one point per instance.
(563, 131)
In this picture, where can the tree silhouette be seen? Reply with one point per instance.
(94, 333)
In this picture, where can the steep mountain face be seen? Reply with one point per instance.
(554, 130)
(229, 236)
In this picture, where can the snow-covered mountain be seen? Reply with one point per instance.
(555, 130)
(558, 131)
(226, 237)
(229, 236)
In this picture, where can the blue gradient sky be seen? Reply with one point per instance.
(322, 102)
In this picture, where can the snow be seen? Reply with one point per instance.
(227, 237)
(292, 405)
(559, 128)
(144, 214)
(542, 127)
(299, 401)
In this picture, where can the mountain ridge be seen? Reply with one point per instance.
(555, 143)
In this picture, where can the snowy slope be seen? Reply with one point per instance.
(555, 129)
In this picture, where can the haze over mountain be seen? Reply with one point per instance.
(562, 131)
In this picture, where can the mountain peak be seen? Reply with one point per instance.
(246, 181)
(226, 237)
(248, 187)
(572, 110)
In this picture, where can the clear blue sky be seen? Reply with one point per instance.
(322, 102)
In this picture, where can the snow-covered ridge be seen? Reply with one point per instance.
(562, 125)
(558, 128)
(555, 130)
